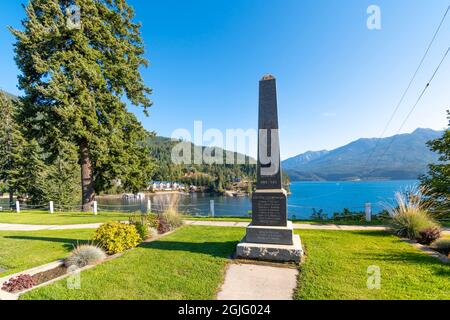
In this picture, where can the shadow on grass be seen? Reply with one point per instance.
(68, 243)
(215, 249)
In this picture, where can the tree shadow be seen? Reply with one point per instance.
(216, 249)
(67, 243)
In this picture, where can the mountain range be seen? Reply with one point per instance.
(400, 157)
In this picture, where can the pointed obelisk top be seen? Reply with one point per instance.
(267, 77)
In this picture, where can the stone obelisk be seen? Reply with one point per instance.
(270, 236)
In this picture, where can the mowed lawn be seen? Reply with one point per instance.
(337, 263)
(45, 218)
(190, 264)
(20, 251)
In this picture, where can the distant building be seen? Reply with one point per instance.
(165, 186)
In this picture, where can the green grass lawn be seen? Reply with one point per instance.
(24, 250)
(45, 218)
(337, 263)
(188, 264)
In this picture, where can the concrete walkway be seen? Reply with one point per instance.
(27, 227)
(296, 226)
(258, 282)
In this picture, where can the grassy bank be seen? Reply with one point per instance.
(189, 265)
(337, 263)
(24, 250)
(45, 218)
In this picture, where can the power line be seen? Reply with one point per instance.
(412, 109)
(409, 86)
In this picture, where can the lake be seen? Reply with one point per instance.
(306, 197)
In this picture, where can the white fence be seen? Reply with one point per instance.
(210, 208)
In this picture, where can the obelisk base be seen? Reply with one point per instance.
(271, 252)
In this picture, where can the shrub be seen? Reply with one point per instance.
(410, 217)
(20, 283)
(85, 255)
(163, 226)
(144, 224)
(442, 246)
(429, 235)
(117, 237)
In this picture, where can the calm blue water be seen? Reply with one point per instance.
(333, 197)
(330, 197)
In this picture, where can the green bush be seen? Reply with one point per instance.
(85, 255)
(144, 224)
(117, 237)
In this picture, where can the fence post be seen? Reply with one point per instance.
(368, 212)
(52, 209)
(149, 206)
(212, 209)
(18, 206)
(95, 208)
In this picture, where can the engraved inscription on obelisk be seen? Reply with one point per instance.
(269, 200)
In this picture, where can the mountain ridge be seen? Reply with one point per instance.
(400, 157)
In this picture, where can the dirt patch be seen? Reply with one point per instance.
(49, 275)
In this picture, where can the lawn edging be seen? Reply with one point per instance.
(429, 251)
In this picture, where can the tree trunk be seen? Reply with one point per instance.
(11, 198)
(87, 178)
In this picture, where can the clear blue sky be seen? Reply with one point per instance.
(338, 81)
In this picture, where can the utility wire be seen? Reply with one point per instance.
(412, 109)
(409, 86)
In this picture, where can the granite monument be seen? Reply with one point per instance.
(270, 236)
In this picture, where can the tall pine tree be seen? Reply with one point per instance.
(79, 59)
(12, 146)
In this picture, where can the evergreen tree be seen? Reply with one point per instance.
(12, 145)
(61, 183)
(75, 74)
(32, 175)
(437, 181)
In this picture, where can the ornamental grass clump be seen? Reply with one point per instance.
(116, 237)
(85, 255)
(145, 224)
(410, 217)
(170, 219)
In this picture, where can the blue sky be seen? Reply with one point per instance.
(337, 80)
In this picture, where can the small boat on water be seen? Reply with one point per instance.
(130, 196)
